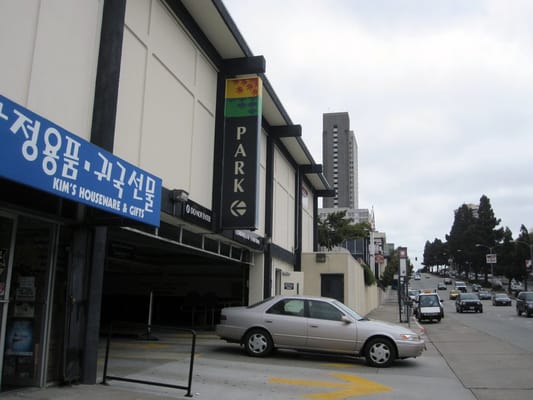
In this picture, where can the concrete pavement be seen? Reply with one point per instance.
(248, 378)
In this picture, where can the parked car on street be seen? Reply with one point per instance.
(524, 303)
(316, 324)
(484, 295)
(468, 302)
(501, 299)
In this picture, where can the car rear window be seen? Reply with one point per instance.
(259, 303)
(528, 296)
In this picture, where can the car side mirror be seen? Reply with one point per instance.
(346, 320)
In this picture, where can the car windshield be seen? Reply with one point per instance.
(468, 296)
(429, 301)
(348, 311)
(500, 295)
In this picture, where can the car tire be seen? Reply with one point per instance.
(380, 352)
(258, 343)
(518, 312)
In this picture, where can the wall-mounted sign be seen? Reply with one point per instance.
(197, 214)
(248, 238)
(288, 285)
(242, 127)
(36, 152)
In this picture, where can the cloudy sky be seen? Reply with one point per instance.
(439, 93)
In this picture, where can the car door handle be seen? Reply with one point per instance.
(268, 321)
(313, 326)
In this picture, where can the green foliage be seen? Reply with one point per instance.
(336, 228)
(393, 266)
(370, 279)
(472, 237)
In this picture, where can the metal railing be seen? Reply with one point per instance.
(149, 329)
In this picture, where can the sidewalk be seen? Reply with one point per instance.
(117, 390)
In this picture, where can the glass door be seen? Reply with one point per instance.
(7, 234)
(26, 303)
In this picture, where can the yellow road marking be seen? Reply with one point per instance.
(338, 365)
(352, 386)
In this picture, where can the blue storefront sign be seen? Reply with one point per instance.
(36, 152)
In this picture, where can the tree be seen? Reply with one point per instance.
(436, 253)
(487, 233)
(523, 252)
(393, 268)
(462, 238)
(336, 228)
(507, 265)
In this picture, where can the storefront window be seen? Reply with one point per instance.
(26, 319)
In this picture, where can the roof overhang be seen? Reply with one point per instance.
(220, 30)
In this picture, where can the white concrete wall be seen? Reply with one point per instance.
(262, 184)
(357, 295)
(256, 280)
(166, 106)
(307, 219)
(49, 58)
(284, 202)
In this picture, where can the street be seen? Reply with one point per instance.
(499, 321)
(490, 353)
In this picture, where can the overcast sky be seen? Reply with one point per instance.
(439, 93)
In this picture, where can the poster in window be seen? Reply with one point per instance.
(26, 289)
(24, 310)
(19, 338)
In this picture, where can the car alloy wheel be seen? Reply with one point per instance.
(258, 343)
(380, 352)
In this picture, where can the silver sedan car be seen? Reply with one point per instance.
(316, 324)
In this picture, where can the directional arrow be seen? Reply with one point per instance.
(238, 208)
(354, 386)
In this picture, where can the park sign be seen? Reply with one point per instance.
(240, 176)
(38, 153)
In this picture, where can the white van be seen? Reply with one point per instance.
(460, 286)
(428, 306)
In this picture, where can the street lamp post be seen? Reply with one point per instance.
(491, 263)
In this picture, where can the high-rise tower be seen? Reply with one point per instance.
(339, 148)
